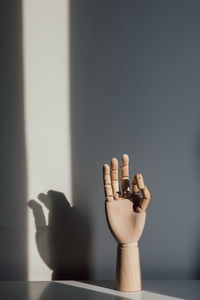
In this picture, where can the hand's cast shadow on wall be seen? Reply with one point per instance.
(63, 243)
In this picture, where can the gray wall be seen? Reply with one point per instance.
(135, 89)
(13, 254)
(135, 73)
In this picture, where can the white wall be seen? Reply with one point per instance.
(47, 116)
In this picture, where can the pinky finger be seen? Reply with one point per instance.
(107, 183)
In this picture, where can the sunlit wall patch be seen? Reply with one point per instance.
(47, 111)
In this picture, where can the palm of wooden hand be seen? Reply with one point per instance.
(125, 211)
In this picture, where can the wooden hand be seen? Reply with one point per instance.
(126, 214)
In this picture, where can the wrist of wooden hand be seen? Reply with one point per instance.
(128, 273)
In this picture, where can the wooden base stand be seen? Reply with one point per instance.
(128, 274)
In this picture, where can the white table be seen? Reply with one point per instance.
(98, 290)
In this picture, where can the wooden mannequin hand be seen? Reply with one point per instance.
(126, 214)
(125, 211)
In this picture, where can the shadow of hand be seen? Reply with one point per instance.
(63, 243)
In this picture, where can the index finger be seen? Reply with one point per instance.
(146, 196)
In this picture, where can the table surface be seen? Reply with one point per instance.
(98, 290)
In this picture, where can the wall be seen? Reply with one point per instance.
(13, 241)
(135, 89)
(47, 127)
